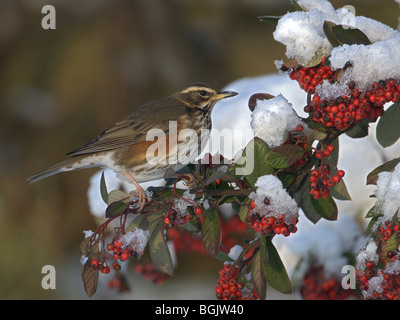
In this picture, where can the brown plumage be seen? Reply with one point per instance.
(123, 146)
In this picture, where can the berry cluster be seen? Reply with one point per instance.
(383, 283)
(119, 253)
(309, 78)
(345, 110)
(100, 265)
(386, 231)
(151, 273)
(174, 219)
(317, 286)
(228, 288)
(268, 224)
(342, 112)
(320, 179)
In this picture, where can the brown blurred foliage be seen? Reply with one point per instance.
(60, 88)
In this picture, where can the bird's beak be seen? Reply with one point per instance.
(225, 94)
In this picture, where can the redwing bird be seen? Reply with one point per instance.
(123, 147)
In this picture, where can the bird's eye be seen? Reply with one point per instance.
(203, 93)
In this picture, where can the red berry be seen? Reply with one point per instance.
(278, 230)
(116, 266)
(118, 243)
(285, 231)
(95, 263)
(198, 211)
(105, 269)
(388, 232)
(340, 173)
(125, 256)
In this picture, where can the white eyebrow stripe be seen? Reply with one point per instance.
(197, 88)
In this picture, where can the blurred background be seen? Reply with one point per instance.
(60, 88)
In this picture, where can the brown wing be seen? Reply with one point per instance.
(134, 128)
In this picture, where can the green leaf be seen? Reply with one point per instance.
(373, 212)
(388, 128)
(286, 178)
(115, 208)
(257, 277)
(103, 189)
(85, 245)
(339, 191)
(192, 226)
(350, 35)
(327, 27)
(211, 232)
(360, 130)
(296, 6)
(303, 200)
(371, 225)
(139, 221)
(90, 278)
(253, 164)
(118, 196)
(159, 251)
(222, 256)
(154, 219)
(315, 135)
(270, 19)
(326, 207)
(338, 35)
(372, 177)
(244, 211)
(276, 274)
(263, 256)
(284, 156)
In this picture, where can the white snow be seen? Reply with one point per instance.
(235, 252)
(302, 34)
(280, 202)
(388, 193)
(273, 119)
(87, 233)
(328, 91)
(378, 61)
(136, 239)
(368, 253)
(181, 204)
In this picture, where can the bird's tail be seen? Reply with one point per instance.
(68, 164)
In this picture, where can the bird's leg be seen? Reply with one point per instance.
(139, 190)
(188, 180)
